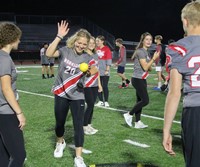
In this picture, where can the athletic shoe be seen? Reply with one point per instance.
(99, 104)
(88, 130)
(93, 129)
(78, 162)
(106, 104)
(127, 81)
(164, 88)
(156, 88)
(140, 125)
(121, 86)
(58, 152)
(128, 118)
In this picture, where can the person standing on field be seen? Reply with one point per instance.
(12, 119)
(105, 61)
(142, 66)
(44, 61)
(185, 70)
(121, 63)
(68, 94)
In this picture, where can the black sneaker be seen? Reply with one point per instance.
(127, 81)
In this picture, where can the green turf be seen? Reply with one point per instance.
(108, 144)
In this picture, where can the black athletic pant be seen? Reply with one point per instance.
(140, 86)
(191, 136)
(104, 82)
(62, 106)
(12, 148)
(90, 99)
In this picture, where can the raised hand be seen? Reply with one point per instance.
(63, 28)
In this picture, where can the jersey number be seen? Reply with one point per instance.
(195, 78)
(70, 70)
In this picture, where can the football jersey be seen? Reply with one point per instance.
(138, 71)
(105, 59)
(122, 56)
(92, 81)
(185, 57)
(7, 67)
(69, 74)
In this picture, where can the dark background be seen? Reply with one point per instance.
(127, 19)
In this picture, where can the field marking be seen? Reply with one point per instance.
(35, 94)
(144, 115)
(108, 108)
(85, 151)
(136, 143)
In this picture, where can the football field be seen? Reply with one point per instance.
(115, 144)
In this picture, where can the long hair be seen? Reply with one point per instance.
(140, 44)
(81, 33)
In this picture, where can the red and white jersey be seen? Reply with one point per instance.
(184, 55)
(69, 73)
(92, 81)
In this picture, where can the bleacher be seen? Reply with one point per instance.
(37, 29)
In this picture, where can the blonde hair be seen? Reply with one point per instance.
(191, 12)
(159, 37)
(81, 33)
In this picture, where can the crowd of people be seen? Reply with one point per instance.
(73, 88)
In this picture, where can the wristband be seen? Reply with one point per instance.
(59, 36)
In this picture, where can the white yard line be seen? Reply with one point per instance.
(85, 151)
(135, 143)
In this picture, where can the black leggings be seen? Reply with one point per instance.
(12, 148)
(90, 98)
(104, 82)
(62, 106)
(140, 86)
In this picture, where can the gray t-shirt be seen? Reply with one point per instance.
(44, 58)
(184, 56)
(7, 67)
(69, 74)
(138, 71)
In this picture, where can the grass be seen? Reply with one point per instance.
(108, 144)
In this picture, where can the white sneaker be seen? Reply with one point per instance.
(100, 103)
(92, 129)
(88, 131)
(140, 125)
(128, 118)
(106, 104)
(78, 162)
(58, 152)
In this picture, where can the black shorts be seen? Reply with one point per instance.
(45, 64)
(191, 135)
(51, 64)
(120, 69)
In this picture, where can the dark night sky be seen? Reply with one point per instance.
(127, 19)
